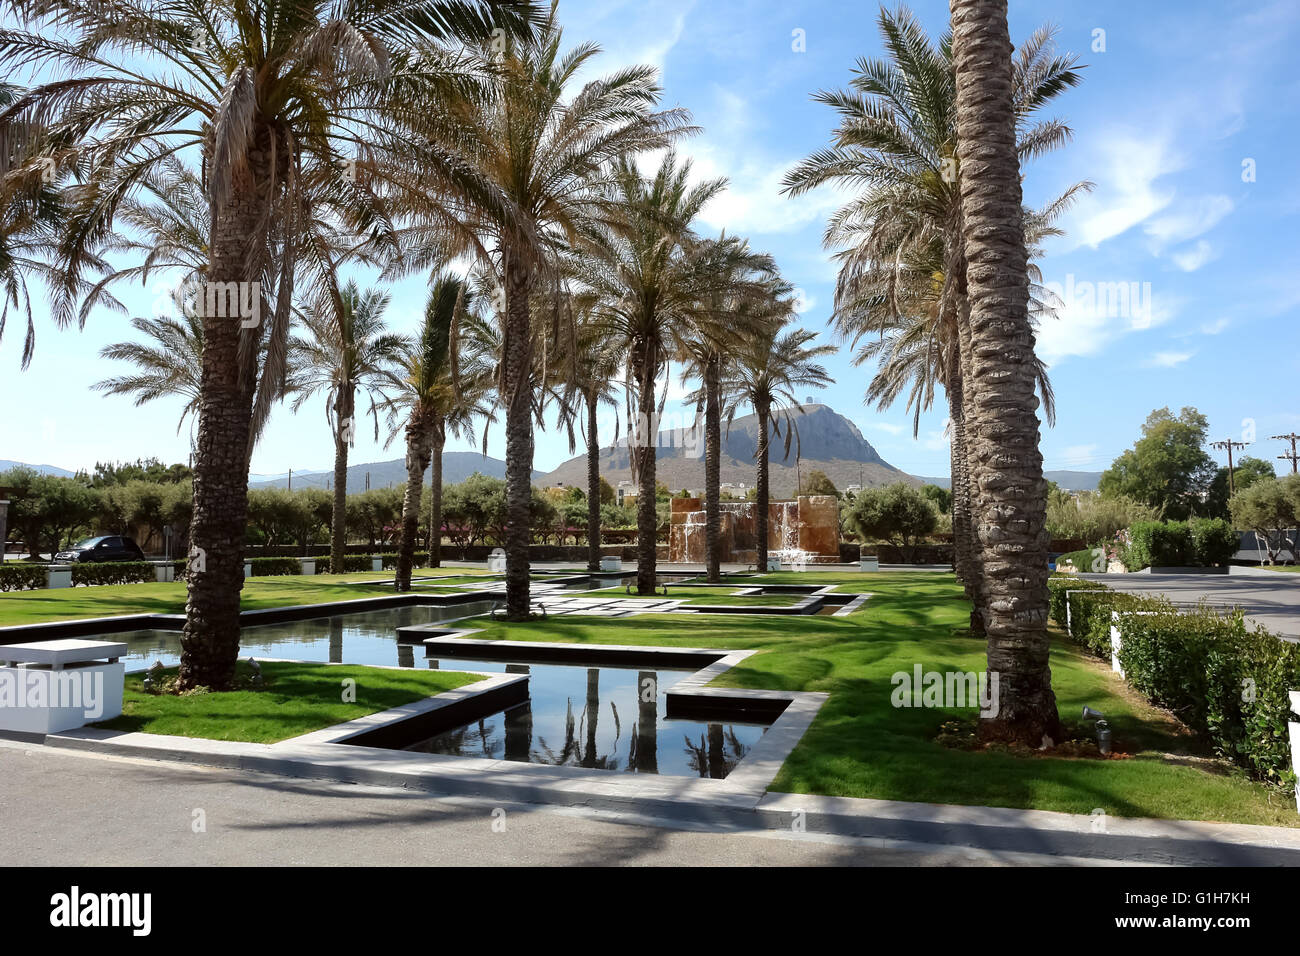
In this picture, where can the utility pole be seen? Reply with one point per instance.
(1292, 438)
(290, 488)
(1229, 444)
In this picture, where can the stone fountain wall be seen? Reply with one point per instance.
(808, 523)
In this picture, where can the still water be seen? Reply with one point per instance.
(604, 718)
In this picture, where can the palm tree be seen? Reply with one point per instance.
(170, 366)
(648, 272)
(728, 311)
(590, 370)
(347, 350)
(1006, 464)
(901, 256)
(271, 97)
(443, 383)
(528, 166)
(767, 369)
(31, 211)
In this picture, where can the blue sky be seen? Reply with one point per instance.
(1185, 101)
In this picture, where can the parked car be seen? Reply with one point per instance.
(110, 547)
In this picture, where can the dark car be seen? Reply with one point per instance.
(103, 548)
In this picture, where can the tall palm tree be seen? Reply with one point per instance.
(347, 350)
(271, 97)
(529, 161)
(1007, 466)
(647, 272)
(730, 308)
(31, 211)
(767, 369)
(445, 376)
(591, 373)
(899, 237)
(169, 366)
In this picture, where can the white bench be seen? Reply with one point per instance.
(47, 687)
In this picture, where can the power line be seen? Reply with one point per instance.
(1230, 445)
(1292, 438)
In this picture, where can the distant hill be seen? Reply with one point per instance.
(1069, 480)
(828, 442)
(6, 464)
(456, 467)
(1074, 480)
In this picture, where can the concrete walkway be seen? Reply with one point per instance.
(65, 809)
(1270, 598)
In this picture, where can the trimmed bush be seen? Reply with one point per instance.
(268, 567)
(1159, 544)
(19, 577)
(112, 572)
(1058, 584)
(1082, 560)
(1224, 680)
(1090, 617)
(1213, 541)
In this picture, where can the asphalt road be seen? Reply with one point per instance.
(71, 809)
(1271, 598)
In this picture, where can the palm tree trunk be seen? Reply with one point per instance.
(435, 493)
(593, 485)
(418, 439)
(519, 438)
(647, 514)
(1007, 467)
(343, 408)
(760, 518)
(712, 470)
(971, 544)
(210, 639)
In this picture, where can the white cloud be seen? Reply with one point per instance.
(887, 427)
(1191, 218)
(753, 204)
(1168, 359)
(1126, 193)
(1094, 312)
(1080, 454)
(1192, 259)
(1215, 327)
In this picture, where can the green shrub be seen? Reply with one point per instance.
(18, 577)
(267, 567)
(1224, 680)
(1058, 584)
(1156, 544)
(420, 559)
(1090, 617)
(112, 572)
(1084, 559)
(1213, 541)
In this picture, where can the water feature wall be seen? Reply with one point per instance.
(804, 528)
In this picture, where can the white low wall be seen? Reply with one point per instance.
(39, 700)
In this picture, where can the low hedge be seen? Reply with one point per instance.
(1223, 679)
(19, 577)
(1090, 617)
(268, 567)
(112, 572)
(1199, 543)
(1083, 559)
(1058, 584)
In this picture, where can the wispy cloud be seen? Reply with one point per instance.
(1167, 359)
(1190, 218)
(1192, 259)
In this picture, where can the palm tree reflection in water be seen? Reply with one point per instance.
(576, 726)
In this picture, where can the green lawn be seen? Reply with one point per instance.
(295, 699)
(31, 607)
(861, 746)
(701, 595)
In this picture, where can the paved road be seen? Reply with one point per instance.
(88, 810)
(1272, 598)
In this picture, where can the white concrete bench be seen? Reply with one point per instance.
(47, 687)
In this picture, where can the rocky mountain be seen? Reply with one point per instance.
(1069, 480)
(828, 442)
(456, 467)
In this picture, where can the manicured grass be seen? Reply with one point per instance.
(700, 595)
(296, 698)
(1281, 567)
(61, 604)
(862, 746)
